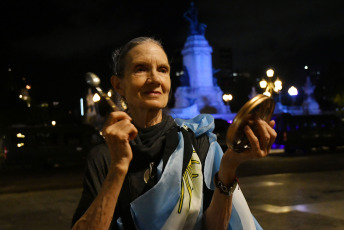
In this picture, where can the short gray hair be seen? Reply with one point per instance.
(118, 56)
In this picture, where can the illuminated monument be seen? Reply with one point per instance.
(309, 105)
(198, 93)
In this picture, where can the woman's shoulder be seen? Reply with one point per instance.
(203, 123)
(99, 156)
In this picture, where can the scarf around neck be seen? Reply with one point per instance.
(148, 144)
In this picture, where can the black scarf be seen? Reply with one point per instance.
(147, 146)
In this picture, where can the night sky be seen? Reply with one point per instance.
(53, 43)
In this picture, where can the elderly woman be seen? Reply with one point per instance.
(158, 173)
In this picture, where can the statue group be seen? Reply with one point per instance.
(191, 15)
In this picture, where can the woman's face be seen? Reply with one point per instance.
(146, 83)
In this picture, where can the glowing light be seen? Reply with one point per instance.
(53, 123)
(109, 93)
(82, 107)
(227, 97)
(270, 73)
(28, 86)
(267, 93)
(306, 67)
(276, 209)
(269, 85)
(20, 135)
(293, 91)
(263, 84)
(96, 97)
(180, 73)
(278, 84)
(5, 152)
(20, 96)
(20, 145)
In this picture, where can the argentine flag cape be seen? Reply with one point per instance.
(176, 201)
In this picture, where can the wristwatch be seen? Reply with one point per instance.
(227, 190)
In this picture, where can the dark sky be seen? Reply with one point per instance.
(53, 43)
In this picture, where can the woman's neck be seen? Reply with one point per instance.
(145, 118)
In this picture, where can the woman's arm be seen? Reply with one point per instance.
(117, 132)
(218, 214)
(219, 211)
(99, 214)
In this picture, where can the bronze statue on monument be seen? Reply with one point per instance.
(191, 15)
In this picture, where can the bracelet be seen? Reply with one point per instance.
(227, 190)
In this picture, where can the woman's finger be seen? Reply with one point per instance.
(129, 129)
(272, 123)
(252, 138)
(117, 116)
(273, 136)
(264, 135)
(123, 130)
(113, 118)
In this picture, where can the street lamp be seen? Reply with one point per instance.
(227, 98)
(293, 92)
(270, 73)
(269, 85)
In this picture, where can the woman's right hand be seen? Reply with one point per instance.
(118, 131)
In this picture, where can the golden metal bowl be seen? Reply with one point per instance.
(259, 106)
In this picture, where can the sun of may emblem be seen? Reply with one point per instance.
(191, 172)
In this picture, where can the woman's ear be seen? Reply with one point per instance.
(117, 84)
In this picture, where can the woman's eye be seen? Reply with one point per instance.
(140, 69)
(163, 70)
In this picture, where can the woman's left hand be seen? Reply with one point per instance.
(260, 142)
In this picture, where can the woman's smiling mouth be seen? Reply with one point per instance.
(153, 93)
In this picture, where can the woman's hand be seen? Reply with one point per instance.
(261, 143)
(118, 131)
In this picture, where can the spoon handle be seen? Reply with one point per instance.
(108, 99)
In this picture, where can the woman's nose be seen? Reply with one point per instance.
(154, 77)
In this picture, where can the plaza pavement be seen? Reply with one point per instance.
(296, 201)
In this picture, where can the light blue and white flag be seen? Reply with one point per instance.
(176, 201)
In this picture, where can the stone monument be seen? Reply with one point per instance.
(309, 105)
(200, 95)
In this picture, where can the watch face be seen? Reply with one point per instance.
(261, 107)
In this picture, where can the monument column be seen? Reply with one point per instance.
(198, 60)
(200, 95)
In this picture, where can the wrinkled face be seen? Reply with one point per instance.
(146, 83)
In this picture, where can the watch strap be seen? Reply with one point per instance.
(226, 190)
